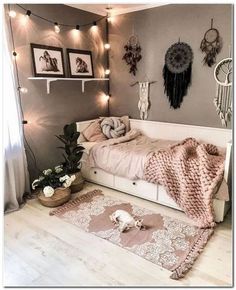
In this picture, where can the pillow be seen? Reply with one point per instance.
(124, 120)
(112, 127)
(81, 138)
(93, 132)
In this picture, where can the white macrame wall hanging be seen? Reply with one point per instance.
(223, 98)
(143, 103)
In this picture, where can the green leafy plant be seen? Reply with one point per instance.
(73, 150)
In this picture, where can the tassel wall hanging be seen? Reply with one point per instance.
(177, 72)
(223, 98)
(211, 45)
(133, 53)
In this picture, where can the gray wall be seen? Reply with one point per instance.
(158, 29)
(48, 114)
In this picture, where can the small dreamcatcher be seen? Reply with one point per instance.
(223, 99)
(133, 53)
(211, 45)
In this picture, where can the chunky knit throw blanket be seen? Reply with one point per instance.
(112, 127)
(189, 171)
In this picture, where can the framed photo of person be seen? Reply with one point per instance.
(47, 61)
(80, 63)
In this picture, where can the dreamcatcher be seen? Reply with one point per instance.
(177, 72)
(211, 45)
(133, 53)
(223, 100)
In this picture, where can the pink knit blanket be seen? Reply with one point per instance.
(189, 171)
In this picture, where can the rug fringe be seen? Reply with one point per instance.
(74, 202)
(198, 247)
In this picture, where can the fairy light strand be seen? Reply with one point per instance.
(62, 24)
(19, 92)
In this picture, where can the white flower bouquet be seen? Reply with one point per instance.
(50, 179)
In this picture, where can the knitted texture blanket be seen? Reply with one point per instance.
(189, 171)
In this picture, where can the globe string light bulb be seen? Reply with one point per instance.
(107, 71)
(28, 13)
(56, 27)
(106, 97)
(12, 13)
(23, 90)
(107, 46)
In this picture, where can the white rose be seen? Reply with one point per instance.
(35, 183)
(48, 191)
(58, 169)
(41, 178)
(72, 178)
(63, 178)
(67, 183)
(47, 171)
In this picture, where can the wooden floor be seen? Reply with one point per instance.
(43, 250)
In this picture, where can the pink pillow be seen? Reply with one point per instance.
(93, 132)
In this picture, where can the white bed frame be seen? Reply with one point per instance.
(168, 131)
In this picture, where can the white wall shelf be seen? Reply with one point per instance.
(54, 79)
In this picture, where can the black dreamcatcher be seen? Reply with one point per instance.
(177, 72)
(211, 45)
(133, 53)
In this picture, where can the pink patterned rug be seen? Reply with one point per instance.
(167, 242)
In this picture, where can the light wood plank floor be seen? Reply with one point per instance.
(42, 250)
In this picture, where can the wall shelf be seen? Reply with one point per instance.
(54, 79)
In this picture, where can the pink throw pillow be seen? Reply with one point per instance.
(93, 132)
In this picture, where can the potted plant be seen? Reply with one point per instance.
(72, 154)
(54, 185)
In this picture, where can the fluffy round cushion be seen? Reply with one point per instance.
(112, 127)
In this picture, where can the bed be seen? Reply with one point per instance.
(165, 131)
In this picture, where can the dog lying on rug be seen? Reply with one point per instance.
(125, 221)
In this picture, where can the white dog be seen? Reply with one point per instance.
(125, 221)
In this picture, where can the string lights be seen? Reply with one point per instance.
(75, 29)
(20, 89)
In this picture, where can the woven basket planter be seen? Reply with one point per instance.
(78, 184)
(61, 196)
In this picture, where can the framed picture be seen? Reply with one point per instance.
(80, 63)
(47, 61)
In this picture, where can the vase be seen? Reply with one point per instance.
(61, 195)
(78, 183)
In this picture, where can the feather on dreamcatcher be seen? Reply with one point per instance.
(211, 45)
(177, 72)
(133, 53)
(223, 99)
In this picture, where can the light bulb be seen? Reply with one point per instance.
(23, 90)
(56, 27)
(106, 97)
(28, 13)
(107, 71)
(14, 54)
(107, 46)
(12, 13)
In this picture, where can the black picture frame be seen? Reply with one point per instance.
(48, 61)
(86, 67)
